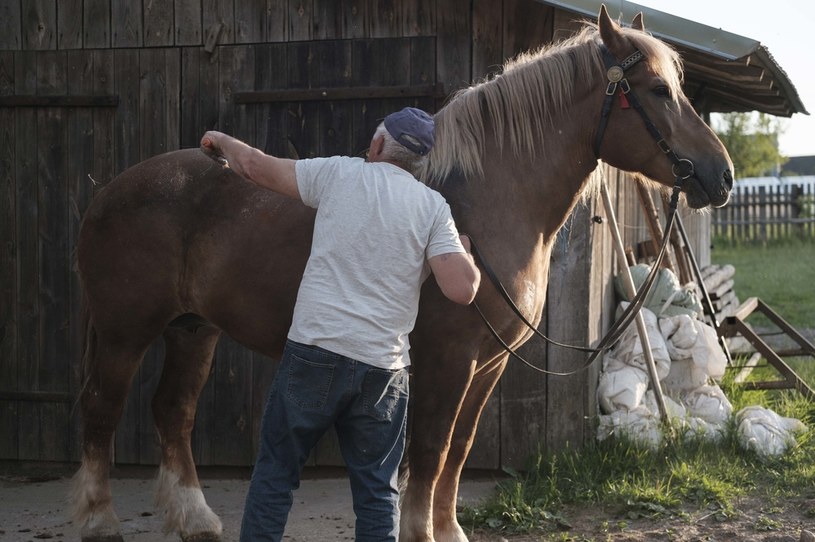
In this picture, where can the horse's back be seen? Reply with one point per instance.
(178, 233)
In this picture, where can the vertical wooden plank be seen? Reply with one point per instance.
(250, 21)
(158, 23)
(54, 296)
(277, 20)
(385, 18)
(263, 373)
(303, 121)
(28, 357)
(328, 20)
(232, 427)
(453, 27)
(418, 18)
(8, 262)
(126, 122)
(103, 169)
(354, 19)
(172, 97)
(80, 163)
(488, 21)
(523, 411)
(363, 73)
(236, 74)
(271, 72)
(152, 106)
(569, 295)
(219, 14)
(159, 89)
(69, 24)
(190, 106)
(126, 18)
(96, 27)
(188, 22)
(527, 25)
(301, 20)
(233, 367)
(52, 224)
(334, 59)
(10, 26)
(39, 24)
(423, 68)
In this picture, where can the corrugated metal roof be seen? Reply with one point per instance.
(724, 72)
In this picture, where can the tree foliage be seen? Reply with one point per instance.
(752, 141)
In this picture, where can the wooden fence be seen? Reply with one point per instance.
(762, 213)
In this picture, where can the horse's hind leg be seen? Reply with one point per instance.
(186, 369)
(111, 363)
(445, 524)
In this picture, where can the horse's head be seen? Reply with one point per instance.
(624, 140)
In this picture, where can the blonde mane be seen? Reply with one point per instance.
(528, 98)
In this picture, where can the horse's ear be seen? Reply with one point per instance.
(637, 23)
(610, 32)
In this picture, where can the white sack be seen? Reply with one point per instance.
(638, 425)
(708, 403)
(765, 432)
(629, 349)
(687, 338)
(622, 388)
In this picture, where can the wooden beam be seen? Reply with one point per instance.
(338, 93)
(58, 101)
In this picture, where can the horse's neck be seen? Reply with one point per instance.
(514, 213)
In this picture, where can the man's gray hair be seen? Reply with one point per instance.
(396, 152)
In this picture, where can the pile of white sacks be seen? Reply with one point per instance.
(689, 362)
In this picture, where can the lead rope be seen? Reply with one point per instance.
(616, 331)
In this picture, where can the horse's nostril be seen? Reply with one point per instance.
(728, 179)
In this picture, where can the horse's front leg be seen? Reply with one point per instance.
(439, 387)
(186, 368)
(445, 523)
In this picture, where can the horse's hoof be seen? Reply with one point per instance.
(202, 537)
(104, 538)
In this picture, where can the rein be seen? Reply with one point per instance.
(682, 169)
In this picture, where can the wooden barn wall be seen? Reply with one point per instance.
(101, 85)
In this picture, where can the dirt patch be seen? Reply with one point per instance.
(755, 519)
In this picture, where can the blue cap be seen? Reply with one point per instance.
(413, 128)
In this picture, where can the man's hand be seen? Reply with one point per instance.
(211, 146)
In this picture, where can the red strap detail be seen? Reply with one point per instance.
(623, 100)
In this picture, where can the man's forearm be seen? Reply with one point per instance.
(267, 171)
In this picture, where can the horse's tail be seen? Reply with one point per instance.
(88, 345)
(80, 495)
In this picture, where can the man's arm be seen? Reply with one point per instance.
(270, 172)
(456, 274)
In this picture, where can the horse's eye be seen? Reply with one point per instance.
(662, 91)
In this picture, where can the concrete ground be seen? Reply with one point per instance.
(34, 504)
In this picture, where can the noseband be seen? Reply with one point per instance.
(682, 168)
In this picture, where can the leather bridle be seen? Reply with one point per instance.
(682, 169)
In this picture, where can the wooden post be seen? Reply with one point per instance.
(628, 282)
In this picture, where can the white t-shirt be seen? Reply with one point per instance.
(376, 228)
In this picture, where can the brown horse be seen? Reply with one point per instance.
(172, 244)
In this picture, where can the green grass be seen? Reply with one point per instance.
(685, 473)
(638, 483)
(780, 274)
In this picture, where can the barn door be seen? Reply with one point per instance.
(299, 100)
(56, 109)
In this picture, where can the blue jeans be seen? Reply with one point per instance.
(313, 390)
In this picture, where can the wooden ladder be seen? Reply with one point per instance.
(734, 325)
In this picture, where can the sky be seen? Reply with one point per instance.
(786, 28)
